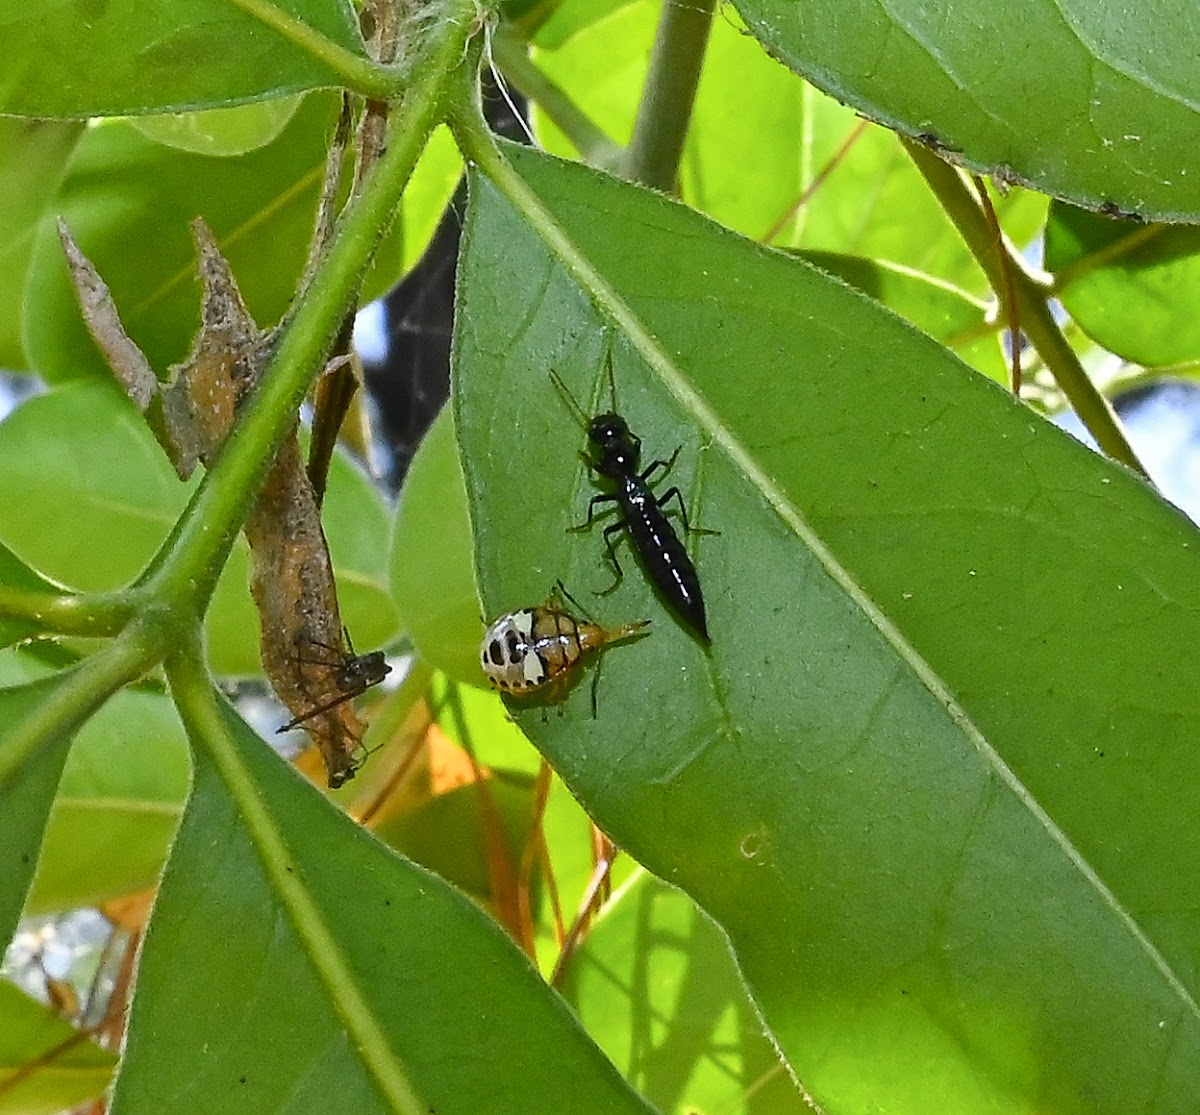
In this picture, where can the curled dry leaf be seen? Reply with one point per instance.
(292, 579)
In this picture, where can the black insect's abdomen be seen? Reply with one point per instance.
(662, 553)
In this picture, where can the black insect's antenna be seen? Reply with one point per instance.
(612, 380)
(576, 410)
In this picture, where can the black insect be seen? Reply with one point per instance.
(614, 454)
(352, 674)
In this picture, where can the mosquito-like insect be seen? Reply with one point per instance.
(614, 453)
(352, 674)
(538, 648)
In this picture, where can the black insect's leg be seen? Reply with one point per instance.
(603, 497)
(609, 530)
(666, 465)
(674, 493)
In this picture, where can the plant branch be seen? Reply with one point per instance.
(71, 697)
(188, 566)
(64, 613)
(665, 110)
(588, 138)
(963, 209)
(358, 72)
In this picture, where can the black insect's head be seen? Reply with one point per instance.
(615, 447)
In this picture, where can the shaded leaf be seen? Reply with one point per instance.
(925, 747)
(33, 160)
(117, 806)
(1132, 288)
(1102, 107)
(433, 584)
(109, 59)
(237, 995)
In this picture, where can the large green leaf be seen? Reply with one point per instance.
(46, 1065)
(926, 777)
(1096, 103)
(1132, 288)
(120, 57)
(294, 964)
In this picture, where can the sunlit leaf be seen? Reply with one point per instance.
(1096, 103)
(1132, 288)
(655, 985)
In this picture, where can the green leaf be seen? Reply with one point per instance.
(46, 1065)
(108, 58)
(743, 163)
(1132, 288)
(296, 964)
(87, 453)
(655, 985)
(220, 132)
(33, 160)
(925, 748)
(129, 203)
(1101, 107)
(947, 314)
(433, 583)
(117, 807)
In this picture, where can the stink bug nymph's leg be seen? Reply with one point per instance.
(609, 531)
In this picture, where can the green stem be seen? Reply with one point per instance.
(211, 726)
(68, 614)
(588, 138)
(74, 695)
(665, 110)
(356, 70)
(192, 558)
(1036, 321)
